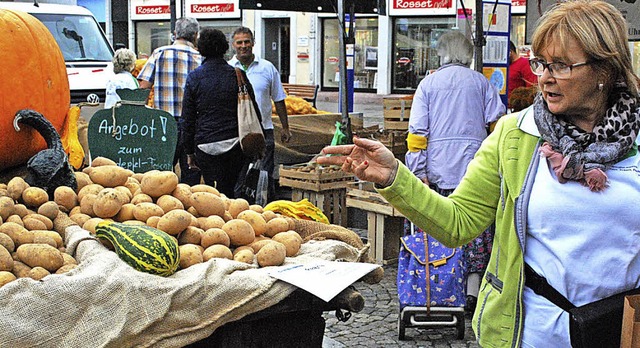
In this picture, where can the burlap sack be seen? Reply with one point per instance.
(106, 303)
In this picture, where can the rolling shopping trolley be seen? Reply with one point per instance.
(430, 283)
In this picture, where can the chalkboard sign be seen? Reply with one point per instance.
(133, 135)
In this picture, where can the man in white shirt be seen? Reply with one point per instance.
(265, 79)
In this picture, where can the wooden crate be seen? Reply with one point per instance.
(319, 179)
(396, 112)
(333, 203)
(394, 140)
(384, 223)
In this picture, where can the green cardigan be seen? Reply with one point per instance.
(496, 187)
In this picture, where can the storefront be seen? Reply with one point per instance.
(152, 27)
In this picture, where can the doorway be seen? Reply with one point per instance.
(277, 44)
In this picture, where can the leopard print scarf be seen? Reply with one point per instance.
(585, 156)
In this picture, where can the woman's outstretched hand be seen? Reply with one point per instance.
(368, 159)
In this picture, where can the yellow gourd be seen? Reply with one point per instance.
(69, 138)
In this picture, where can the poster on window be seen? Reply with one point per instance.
(371, 58)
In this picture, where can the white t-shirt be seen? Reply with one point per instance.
(121, 80)
(587, 245)
(265, 80)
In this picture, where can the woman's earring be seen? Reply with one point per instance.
(600, 86)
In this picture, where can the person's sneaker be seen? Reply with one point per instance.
(470, 305)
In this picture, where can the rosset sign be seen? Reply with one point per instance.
(420, 4)
(212, 8)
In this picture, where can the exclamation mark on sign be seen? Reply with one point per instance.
(163, 120)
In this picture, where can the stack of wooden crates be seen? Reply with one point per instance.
(396, 114)
(325, 187)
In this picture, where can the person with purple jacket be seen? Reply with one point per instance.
(450, 114)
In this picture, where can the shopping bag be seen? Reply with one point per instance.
(446, 273)
(631, 322)
(249, 126)
(253, 184)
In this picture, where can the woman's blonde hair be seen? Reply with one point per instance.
(124, 60)
(599, 29)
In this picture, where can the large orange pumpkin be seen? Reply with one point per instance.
(32, 76)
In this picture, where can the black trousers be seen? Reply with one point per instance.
(221, 171)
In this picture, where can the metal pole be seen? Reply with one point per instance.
(479, 42)
(172, 10)
(346, 121)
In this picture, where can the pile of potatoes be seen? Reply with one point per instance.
(29, 247)
(206, 223)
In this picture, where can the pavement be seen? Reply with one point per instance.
(376, 326)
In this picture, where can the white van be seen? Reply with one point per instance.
(86, 50)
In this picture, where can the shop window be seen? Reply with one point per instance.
(365, 55)
(414, 53)
(151, 35)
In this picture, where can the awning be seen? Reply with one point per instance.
(330, 6)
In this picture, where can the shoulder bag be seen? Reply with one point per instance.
(595, 324)
(249, 126)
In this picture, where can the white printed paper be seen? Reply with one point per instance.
(324, 279)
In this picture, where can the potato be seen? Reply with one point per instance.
(244, 255)
(20, 269)
(68, 259)
(214, 236)
(182, 192)
(15, 219)
(17, 233)
(169, 203)
(272, 254)
(89, 189)
(83, 180)
(37, 273)
(65, 268)
(34, 196)
(16, 186)
(79, 218)
(174, 221)
(255, 219)
(42, 239)
(207, 204)
(141, 198)
(7, 242)
(153, 221)
(190, 255)
(48, 224)
(102, 161)
(7, 207)
(259, 244)
(158, 183)
(213, 221)
(217, 251)
(86, 204)
(256, 207)
(109, 175)
(268, 215)
(239, 231)
(236, 206)
(242, 247)
(42, 255)
(193, 212)
(53, 235)
(21, 210)
(123, 194)
(6, 277)
(205, 188)
(144, 210)
(276, 225)
(132, 185)
(107, 203)
(49, 209)
(90, 225)
(6, 261)
(291, 241)
(125, 213)
(65, 197)
(191, 235)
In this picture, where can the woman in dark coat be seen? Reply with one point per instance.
(210, 115)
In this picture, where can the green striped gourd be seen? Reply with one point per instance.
(142, 247)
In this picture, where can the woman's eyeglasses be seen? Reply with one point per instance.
(557, 70)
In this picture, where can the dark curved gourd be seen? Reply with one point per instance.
(49, 168)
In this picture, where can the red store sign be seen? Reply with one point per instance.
(152, 10)
(212, 8)
(421, 4)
